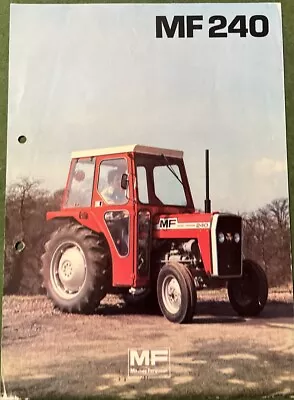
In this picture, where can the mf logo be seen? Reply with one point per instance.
(167, 223)
(149, 363)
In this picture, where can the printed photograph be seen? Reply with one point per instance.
(147, 231)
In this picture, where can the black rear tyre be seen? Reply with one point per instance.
(76, 269)
(248, 295)
(176, 293)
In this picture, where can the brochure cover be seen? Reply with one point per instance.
(147, 230)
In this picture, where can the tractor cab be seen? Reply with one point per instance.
(118, 191)
(147, 176)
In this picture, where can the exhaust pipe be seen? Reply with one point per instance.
(207, 202)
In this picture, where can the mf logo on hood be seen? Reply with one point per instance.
(172, 223)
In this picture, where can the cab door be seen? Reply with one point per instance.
(143, 247)
(143, 231)
(116, 217)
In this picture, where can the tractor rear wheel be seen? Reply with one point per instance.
(248, 294)
(76, 269)
(176, 293)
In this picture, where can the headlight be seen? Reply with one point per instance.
(237, 237)
(221, 237)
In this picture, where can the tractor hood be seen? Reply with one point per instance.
(219, 237)
(186, 221)
(191, 225)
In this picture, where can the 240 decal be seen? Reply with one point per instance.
(219, 27)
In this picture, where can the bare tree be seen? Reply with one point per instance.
(26, 207)
(267, 239)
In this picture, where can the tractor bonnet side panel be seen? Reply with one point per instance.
(187, 226)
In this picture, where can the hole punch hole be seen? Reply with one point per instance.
(22, 139)
(19, 246)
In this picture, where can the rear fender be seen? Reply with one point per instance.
(84, 217)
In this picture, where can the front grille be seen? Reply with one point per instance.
(229, 253)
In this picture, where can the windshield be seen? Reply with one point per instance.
(81, 184)
(170, 167)
(159, 181)
(167, 186)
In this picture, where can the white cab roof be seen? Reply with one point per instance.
(129, 148)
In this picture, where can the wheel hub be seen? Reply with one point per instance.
(171, 294)
(65, 271)
(68, 270)
(71, 269)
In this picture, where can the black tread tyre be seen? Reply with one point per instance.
(76, 269)
(193, 295)
(248, 295)
(179, 275)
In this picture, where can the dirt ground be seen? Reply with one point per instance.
(46, 352)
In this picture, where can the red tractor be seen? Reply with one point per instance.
(131, 228)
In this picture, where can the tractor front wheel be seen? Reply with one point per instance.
(176, 293)
(76, 269)
(248, 294)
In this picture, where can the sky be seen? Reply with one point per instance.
(94, 76)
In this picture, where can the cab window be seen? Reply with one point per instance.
(109, 181)
(81, 184)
